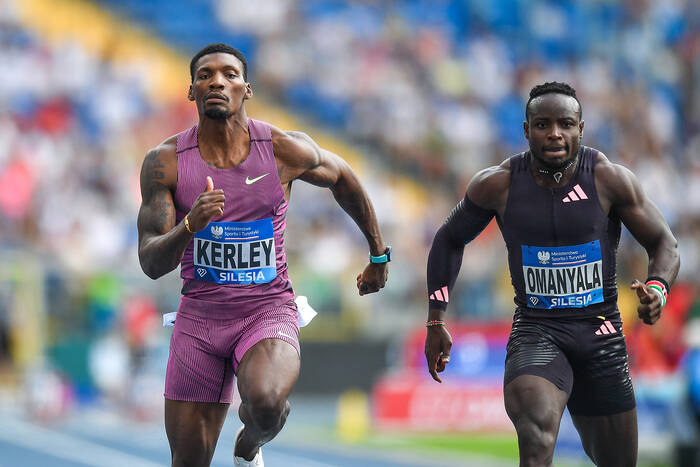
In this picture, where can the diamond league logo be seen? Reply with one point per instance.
(217, 231)
(534, 300)
(202, 272)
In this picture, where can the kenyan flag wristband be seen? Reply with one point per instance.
(660, 288)
(435, 322)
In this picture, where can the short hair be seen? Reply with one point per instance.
(552, 87)
(219, 47)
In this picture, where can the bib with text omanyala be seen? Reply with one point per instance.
(563, 276)
(235, 252)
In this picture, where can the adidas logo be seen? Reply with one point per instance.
(440, 295)
(606, 328)
(576, 194)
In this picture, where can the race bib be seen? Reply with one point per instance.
(563, 276)
(235, 252)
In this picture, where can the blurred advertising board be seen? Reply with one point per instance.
(470, 397)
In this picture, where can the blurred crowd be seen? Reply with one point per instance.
(428, 91)
(436, 90)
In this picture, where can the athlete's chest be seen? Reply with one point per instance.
(554, 216)
(252, 189)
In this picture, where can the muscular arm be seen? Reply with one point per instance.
(643, 219)
(623, 196)
(299, 157)
(466, 221)
(161, 242)
(486, 196)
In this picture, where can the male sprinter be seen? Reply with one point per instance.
(214, 200)
(559, 207)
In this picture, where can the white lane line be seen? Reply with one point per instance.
(67, 447)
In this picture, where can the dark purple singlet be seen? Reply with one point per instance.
(561, 245)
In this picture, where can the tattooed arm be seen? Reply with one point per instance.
(161, 242)
(299, 157)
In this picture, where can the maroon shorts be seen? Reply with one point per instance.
(208, 344)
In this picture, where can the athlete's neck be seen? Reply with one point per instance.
(551, 177)
(224, 143)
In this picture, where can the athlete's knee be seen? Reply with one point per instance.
(541, 420)
(191, 447)
(268, 411)
(537, 436)
(536, 439)
(612, 457)
(192, 456)
(617, 461)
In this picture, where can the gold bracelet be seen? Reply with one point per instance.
(187, 225)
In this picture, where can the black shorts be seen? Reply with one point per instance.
(586, 357)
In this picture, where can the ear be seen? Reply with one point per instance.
(580, 129)
(248, 91)
(190, 94)
(526, 130)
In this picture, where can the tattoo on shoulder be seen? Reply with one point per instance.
(153, 166)
(154, 173)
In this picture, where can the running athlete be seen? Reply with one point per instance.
(559, 207)
(214, 201)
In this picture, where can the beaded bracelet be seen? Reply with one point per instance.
(435, 322)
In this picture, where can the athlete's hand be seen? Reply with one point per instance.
(372, 278)
(649, 309)
(438, 343)
(209, 204)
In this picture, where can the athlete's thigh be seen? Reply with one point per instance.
(266, 358)
(535, 406)
(199, 367)
(193, 427)
(534, 400)
(535, 347)
(537, 383)
(268, 370)
(602, 403)
(610, 440)
(602, 384)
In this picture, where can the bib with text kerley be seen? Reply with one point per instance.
(235, 252)
(563, 276)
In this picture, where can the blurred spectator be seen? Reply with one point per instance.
(439, 88)
(428, 91)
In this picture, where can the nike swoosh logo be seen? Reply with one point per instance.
(283, 334)
(248, 181)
